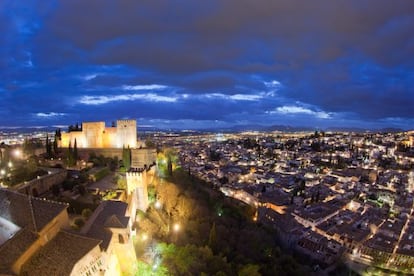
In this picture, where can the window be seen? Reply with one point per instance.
(121, 238)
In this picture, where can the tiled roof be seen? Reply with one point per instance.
(111, 215)
(16, 208)
(45, 211)
(11, 250)
(60, 255)
(29, 213)
(113, 222)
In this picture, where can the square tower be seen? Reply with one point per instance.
(93, 132)
(126, 132)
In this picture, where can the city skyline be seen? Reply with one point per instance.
(197, 64)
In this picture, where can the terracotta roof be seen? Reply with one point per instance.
(60, 255)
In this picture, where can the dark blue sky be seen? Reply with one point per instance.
(192, 64)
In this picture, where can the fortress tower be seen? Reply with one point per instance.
(137, 192)
(97, 135)
(93, 133)
(126, 131)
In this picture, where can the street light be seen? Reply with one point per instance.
(17, 152)
(158, 204)
(176, 227)
(144, 237)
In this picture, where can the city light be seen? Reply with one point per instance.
(176, 227)
(158, 204)
(17, 153)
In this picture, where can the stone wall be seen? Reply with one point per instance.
(42, 184)
(139, 157)
(142, 157)
(96, 135)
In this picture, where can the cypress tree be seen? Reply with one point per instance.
(69, 155)
(75, 151)
(48, 147)
(55, 146)
(212, 238)
(126, 157)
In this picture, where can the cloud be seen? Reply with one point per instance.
(273, 84)
(99, 100)
(339, 57)
(144, 87)
(49, 114)
(235, 97)
(290, 109)
(89, 77)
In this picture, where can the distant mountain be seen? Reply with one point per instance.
(362, 130)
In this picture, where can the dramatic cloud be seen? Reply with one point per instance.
(144, 87)
(50, 114)
(98, 100)
(301, 110)
(219, 62)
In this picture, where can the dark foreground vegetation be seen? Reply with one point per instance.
(204, 233)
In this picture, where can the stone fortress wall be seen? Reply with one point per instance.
(42, 184)
(97, 135)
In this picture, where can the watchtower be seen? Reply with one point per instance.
(126, 131)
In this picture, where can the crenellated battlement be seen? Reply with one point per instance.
(137, 182)
(135, 174)
(130, 121)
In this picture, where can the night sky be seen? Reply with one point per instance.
(208, 63)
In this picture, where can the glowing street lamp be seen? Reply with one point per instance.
(176, 227)
(10, 164)
(17, 153)
(157, 204)
(144, 237)
(2, 171)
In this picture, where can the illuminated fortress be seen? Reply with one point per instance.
(96, 135)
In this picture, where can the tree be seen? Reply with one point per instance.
(75, 151)
(171, 156)
(55, 146)
(126, 157)
(28, 147)
(48, 147)
(212, 238)
(78, 222)
(69, 156)
(149, 143)
(249, 270)
(86, 213)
